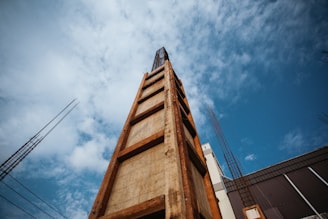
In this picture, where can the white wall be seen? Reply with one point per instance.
(216, 174)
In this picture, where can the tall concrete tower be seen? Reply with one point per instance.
(158, 169)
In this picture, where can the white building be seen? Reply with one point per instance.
(216, 174)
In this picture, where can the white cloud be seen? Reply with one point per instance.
(294, 142)
(299, 141)
(246, 141)
(250, 157)
(89, 156)
(75, 201)
(97, 52)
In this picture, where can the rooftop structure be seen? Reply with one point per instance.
(296, 188)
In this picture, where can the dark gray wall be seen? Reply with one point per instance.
(276, 196)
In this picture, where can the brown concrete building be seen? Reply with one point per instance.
(158, 168)
(296, 188)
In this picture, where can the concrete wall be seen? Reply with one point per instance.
(216, 174)
(139, 179)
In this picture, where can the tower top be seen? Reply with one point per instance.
(160, 57)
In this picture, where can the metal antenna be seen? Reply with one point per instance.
(241, 183)
(160, 57)
(7, 166)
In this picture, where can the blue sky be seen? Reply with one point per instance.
(257, 63)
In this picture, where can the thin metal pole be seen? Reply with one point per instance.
(300, 193)
(317, 175)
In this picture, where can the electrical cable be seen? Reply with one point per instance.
(26, 199)
(20, 208)
(29, 148)
(24, 150)
(59, 121)
(37, 196)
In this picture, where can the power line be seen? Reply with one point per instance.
(20, 208)
(24, 150)
(26, 199)
(38, 197)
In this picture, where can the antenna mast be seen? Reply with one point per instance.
(241, 183)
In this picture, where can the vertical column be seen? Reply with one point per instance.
(175, 205)
(187, 180)
(207, 181)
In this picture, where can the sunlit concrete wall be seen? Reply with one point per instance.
(216, 174)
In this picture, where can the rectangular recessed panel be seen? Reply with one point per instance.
(146, 127)
(154, 78)
(155, 71)
(200, 193)
(148, 84)
(188, 136)
(141, 146)
(187, 123)
(153, 208)
(152, 88)
(139, 178)
(196, 160)
(179, 90)
(184, 107)
(150, 95)
(150, 102)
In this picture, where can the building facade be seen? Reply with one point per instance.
(296, 188)
(216, 175)
(158, 169)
